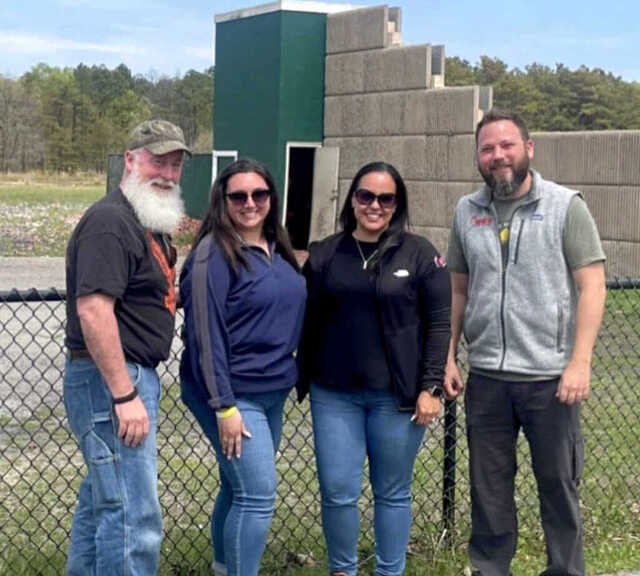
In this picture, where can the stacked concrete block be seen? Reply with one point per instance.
(605, 167)
(427, 204)
(463, 166)
(398, 68)
(381, 103)
(545, 158)
(623, 259)
(344, 74)
(439, 237)
(629, 160)
(363, 29)
(452, 110)
(588, 157)
(616, 210)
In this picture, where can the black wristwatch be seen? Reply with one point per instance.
(435, 391)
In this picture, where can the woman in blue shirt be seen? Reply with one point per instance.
(244, 300)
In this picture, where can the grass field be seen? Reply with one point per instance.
(40, 466)
(40, 211)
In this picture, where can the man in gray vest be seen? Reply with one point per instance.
(528, 285)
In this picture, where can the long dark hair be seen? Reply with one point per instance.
(219, 225)
(399, 220)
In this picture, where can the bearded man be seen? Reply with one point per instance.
(528, 284)
(121, 304)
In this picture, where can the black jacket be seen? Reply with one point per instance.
(414, 298)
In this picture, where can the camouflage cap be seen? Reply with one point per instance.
(157, 136)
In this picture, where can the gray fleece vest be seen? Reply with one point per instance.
(519, 318)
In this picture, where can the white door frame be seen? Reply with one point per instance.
(214, 160)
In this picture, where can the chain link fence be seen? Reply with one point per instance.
(41, 466)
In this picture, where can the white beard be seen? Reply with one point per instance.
(157, 211)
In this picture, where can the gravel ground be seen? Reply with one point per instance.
(24, 273)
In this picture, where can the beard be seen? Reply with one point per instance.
(505, 188)
(157, 211)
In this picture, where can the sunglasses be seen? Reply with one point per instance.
(240, 197)
(366, 198)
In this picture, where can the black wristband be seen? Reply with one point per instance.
(435, 391)
(127, 398)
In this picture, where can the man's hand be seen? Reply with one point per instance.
(427, 409)
(453, 384)
(574, 383)
(133, 422)
(230, 431)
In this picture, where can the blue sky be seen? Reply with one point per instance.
(169, 37)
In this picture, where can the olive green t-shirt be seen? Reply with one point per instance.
(581, 246)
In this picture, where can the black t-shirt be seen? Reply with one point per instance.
(111, 253)
(354, 354)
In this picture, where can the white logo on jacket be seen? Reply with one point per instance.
(401, 273)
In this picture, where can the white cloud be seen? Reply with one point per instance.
(30, 44)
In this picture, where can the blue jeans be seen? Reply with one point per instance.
(245, 503)
(348, 426)
(117, 525)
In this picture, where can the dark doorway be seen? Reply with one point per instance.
(299, 195)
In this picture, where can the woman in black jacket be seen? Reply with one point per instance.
(372, 354)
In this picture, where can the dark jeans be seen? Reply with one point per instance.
(495, 411)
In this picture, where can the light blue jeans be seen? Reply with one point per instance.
(244, 506)
(117, 525)
(348, 426)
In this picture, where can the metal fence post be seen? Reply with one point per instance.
(449, 469)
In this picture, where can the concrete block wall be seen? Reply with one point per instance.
(605, 167)
(381, 104)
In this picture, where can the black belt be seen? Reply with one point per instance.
(78, 354)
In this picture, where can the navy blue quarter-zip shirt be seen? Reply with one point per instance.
(255, 319)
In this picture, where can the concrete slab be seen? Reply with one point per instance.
(332, 116)
(393, 109)
(362, 29)
(415, 112)
(455, 191)
(623, 259)
(439, 237)
(486, 99)
(588, 157)
(615, 210)
(398, 68)
(629, 158)
(462, 159)
(427, 204)
(436, 158)
(545, 158)
(344, 74)
(451, 110)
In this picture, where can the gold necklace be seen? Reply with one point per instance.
(365, 261)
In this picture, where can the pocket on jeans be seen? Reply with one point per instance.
(105, 487)
(78, 405)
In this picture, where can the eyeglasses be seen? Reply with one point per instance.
(240, 197)
(366, 198)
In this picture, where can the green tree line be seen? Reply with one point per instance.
(69, 119)
(554, 99)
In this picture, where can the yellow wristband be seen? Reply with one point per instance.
(226, 413)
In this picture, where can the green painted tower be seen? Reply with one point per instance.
(269, 96)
